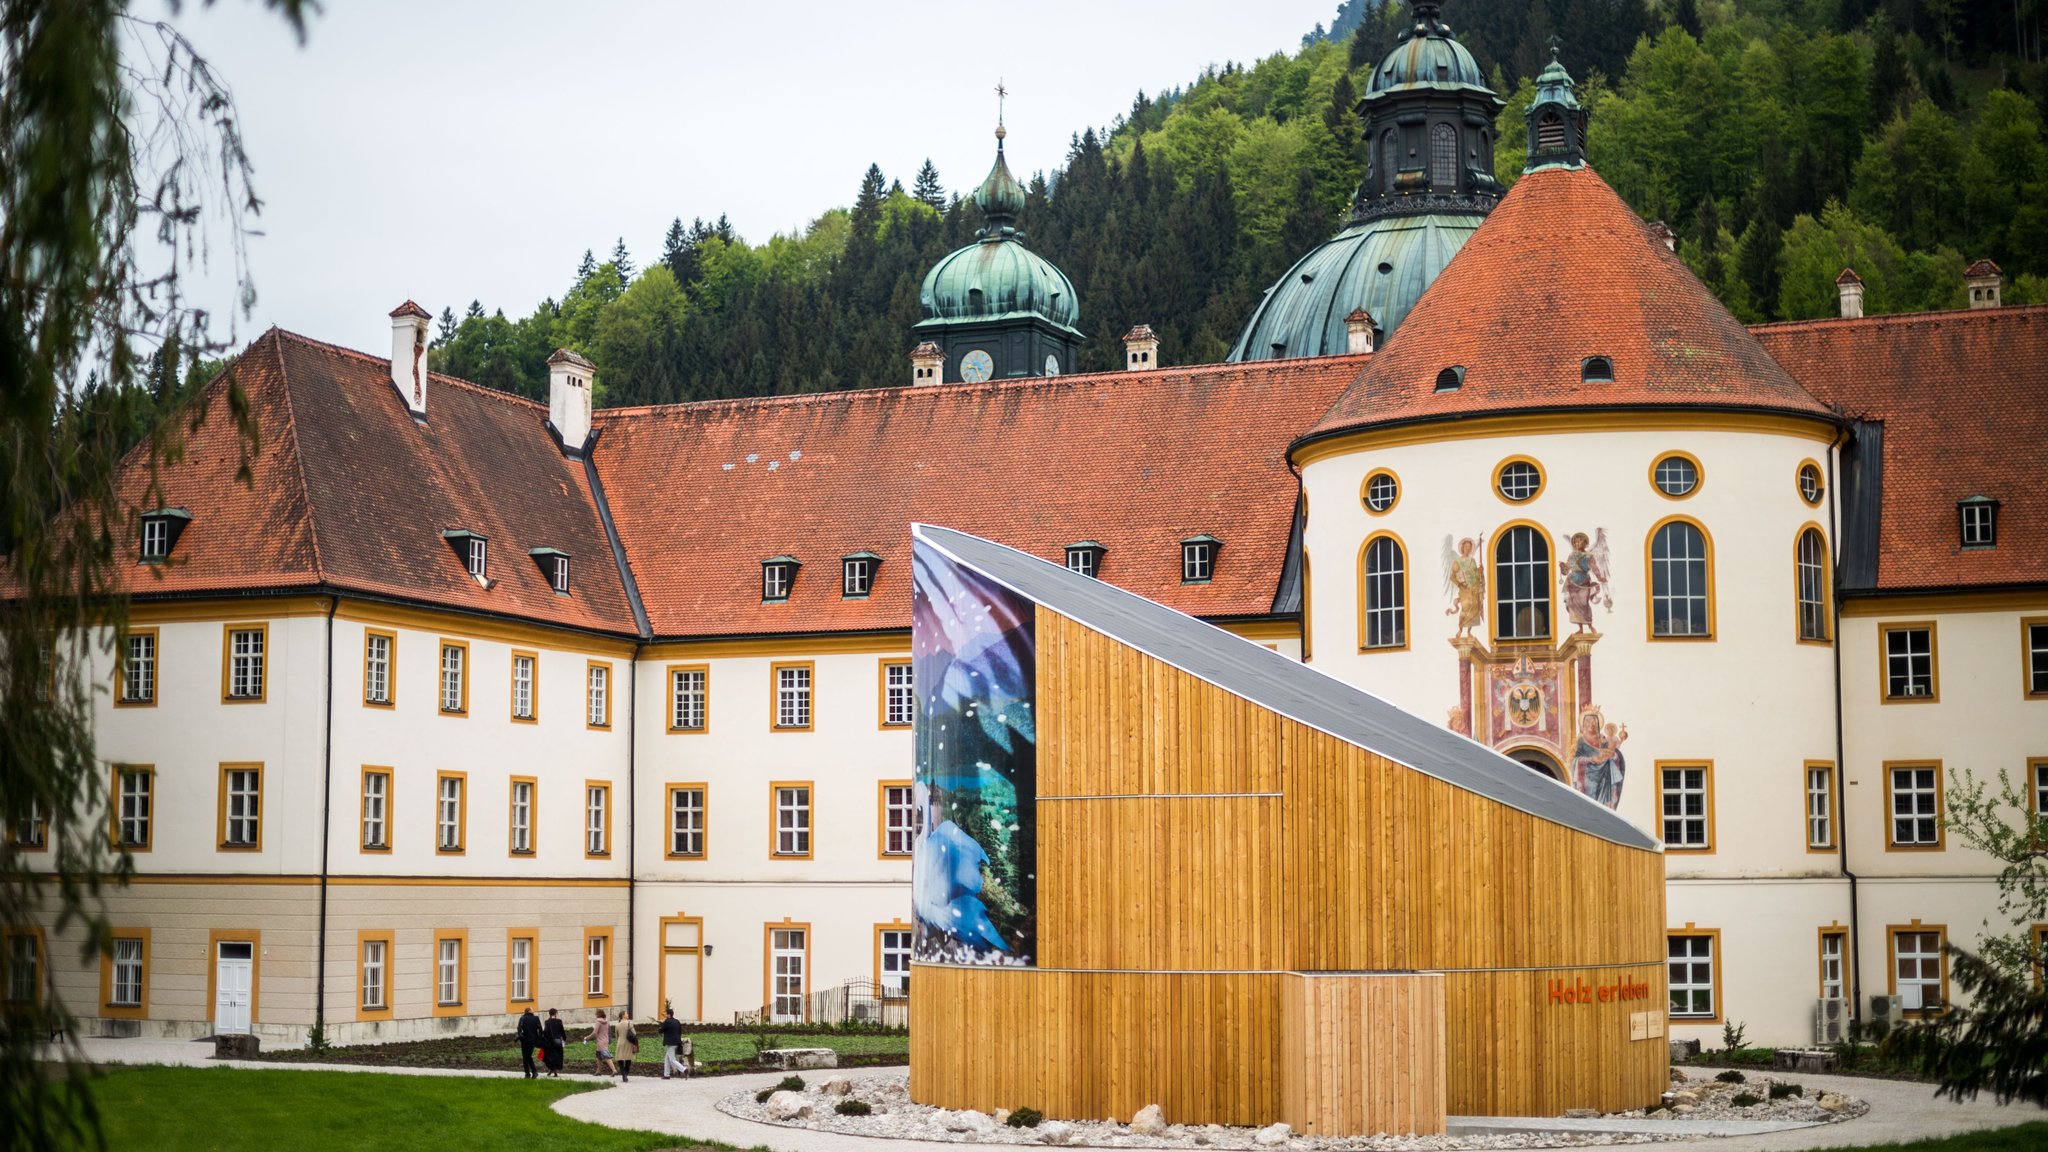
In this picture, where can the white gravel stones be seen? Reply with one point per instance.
(894, 1116)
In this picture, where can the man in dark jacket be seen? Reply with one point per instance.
(529, 1038)
(672, 1045)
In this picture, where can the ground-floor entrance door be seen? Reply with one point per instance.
(682, 971)
(786, 949)
(234, 972)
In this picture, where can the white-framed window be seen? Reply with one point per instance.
(856, 575)
(597, 823)
(2037, 658)
(600, 696)
(138, 670)
(478, 557)
(1916, 806)
(686, 822)
(522, 816)
(522, 687)
(127, 976)
(1908, 663)
(376, 669)
(1810, 486)
(793, 820)
(1081, 560)
(899, 819)
(1386, 594)
(1520, 480)
(1678, 581)
(454, 698)
(1521, 575)
(448, 972)
(377, 810)
(1916, 969)
(561, 575)
(793, 696)
(1979, 523)
(33, 831)
(686, 699)
(594, 965)
(24, 967)
(786, 955)
(1812, 564)
(1833, 946)
(895, 949)
(244, 805)
(1692, 976)
(245, 663)
(1197, 561)
(156, 538)
(376, 969)
(1685, 802)
(2039, 771)
(775, 581)
(899, 703)
(448, 814)
(1381, 491)
(1820, 806)
(136, 801)
(519, 975)
(1676, 476)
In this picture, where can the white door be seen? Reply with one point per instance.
(681, 967)
(786, 969)
(233, 970)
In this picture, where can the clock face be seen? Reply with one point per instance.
(977, 366)
(1052, 364)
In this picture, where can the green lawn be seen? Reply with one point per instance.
(230, 1109)
(2024, 1138)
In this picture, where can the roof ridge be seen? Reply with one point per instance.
(1111, 377)
(442, 377)
(1934, 314)
(291, 437)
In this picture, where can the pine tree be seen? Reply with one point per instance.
(1756, 262)
(587, 269)
(1687, 16)
(476, 307)
(621, 261)
(673, 245)
(927, 187)
(447, 327)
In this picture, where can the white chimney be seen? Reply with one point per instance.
(1358, 331)
(1851, 287)
(409, 355)
(1141, 349)
(1662, 234)
(1984, 280)
(569, 378)
(927, 363)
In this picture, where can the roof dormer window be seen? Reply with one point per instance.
(857, 574)
(474, 550)
(1596, 370)
(1085, 557)
(778, 574)
(1979, 520)
(160, 530)
(1198, 559)
(554, 568)
(1450, 379)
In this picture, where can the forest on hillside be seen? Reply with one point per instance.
(1782, 139)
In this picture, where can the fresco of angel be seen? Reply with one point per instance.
(1585, 575)
(1465, 582)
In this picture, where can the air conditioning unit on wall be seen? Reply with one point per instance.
(1884, 1014)
(1830, 1021)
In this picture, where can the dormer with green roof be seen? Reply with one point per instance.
(995, 308)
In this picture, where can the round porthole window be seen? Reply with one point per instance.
(1382, 492)
(1520, 480)
(1810, 488)
(1675, 474)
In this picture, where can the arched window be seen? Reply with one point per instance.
(1521, 581)
(1812, 565)
(1443, 158)
(1386, 595)
(1680, 596)
(1390, 158)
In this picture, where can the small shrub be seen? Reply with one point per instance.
(852, 1107)
(791, 1084)
(1745, 1099)
(762, 1096)
(1732, 1076)
(1780, 1090)
(1025, 1118)
(1733, 1033)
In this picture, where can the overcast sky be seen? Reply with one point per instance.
(453, 151)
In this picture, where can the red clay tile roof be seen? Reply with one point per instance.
(1982, 268)
(1563, 270)
(702, 493)
(1964, 400)
(411, 309)
(351, 494)
(1848, 276)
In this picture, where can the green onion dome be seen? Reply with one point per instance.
(997, 276)
(1430, 57)
(1381, 265)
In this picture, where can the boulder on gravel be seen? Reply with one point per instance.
(1149, 1121)
(967, 1120)
(1829, 1102)
(837, 1086)
(1272, 1135)
(1056, 1132)
(788, 1106)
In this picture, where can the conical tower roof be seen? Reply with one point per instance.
(1561, 273)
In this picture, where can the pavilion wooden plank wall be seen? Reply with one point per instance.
(1195, 847)
(1362, 1053)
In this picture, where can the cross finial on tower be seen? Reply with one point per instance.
(1554, 41)
(1001, 132)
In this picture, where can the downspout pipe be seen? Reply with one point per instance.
(1854, 959)
(326, 826)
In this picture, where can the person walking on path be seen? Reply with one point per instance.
(672, 1047)
(628, 1045)
(530, 1037)
(558, 1038)
(601, 1039)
